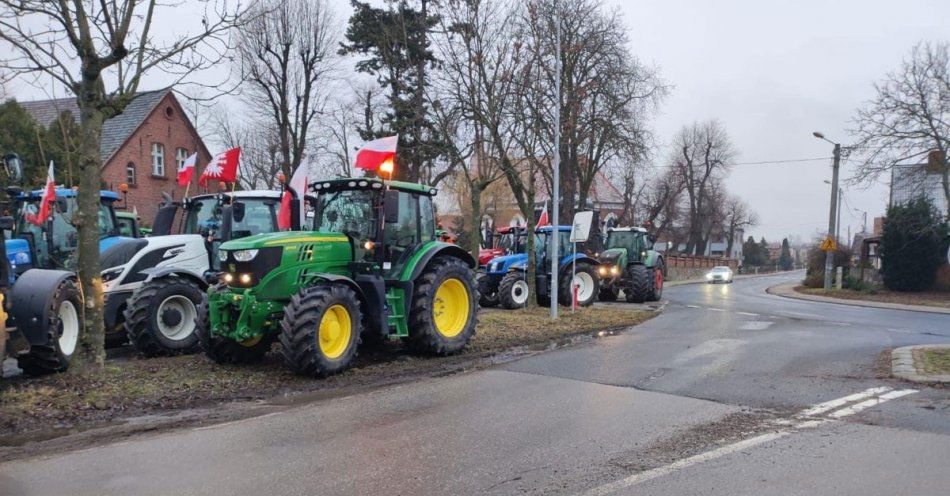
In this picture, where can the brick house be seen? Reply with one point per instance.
(141, 147)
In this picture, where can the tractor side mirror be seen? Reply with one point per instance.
(6, 223)
(14, 167)
(392, 207)
(162, 226)
(237, 211)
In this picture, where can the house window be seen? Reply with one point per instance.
(180, 156)
(158, 159)
(130, 174)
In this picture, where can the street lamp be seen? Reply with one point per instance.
(829, 254)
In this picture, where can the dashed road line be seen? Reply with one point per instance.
(806, 419)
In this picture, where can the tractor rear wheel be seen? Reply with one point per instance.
(487, 291)
(63, 328)
(587, 282)
(320, 331)
(639, 284)
(224, 350)
(161, 317)
(443, 315)
(513, 290)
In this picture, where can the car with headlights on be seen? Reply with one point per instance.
(719, 274)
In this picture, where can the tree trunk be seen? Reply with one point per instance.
(476, 241)
(91, 353)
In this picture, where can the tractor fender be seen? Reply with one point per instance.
(30, 300)
(159, 272)
(652, 258)
(439, 249)
(338, 279)
(567, 261)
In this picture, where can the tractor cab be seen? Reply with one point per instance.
(630, 264)
(128, 224)
(53, 244)
(505, 241)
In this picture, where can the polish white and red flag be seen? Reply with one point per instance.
(46, 203)
(298, 183)
(378, 155)
(543, 218)
(223, 167)
(187, 169)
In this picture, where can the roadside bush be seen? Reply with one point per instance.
(857, 284)
(815, 265)
(912, 246)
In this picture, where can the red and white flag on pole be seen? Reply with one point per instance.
(543, 219)
(187, 169)
(378, 155)
(298, 184)
(223, 167)
(46, 203)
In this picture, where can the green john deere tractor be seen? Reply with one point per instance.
(370, 268)
(629, 262)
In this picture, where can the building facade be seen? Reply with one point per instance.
(141, 148)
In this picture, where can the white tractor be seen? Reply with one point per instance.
(153, 286)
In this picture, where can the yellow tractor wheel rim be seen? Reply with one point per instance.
(450, 308)
(335, 331)
(251, 342)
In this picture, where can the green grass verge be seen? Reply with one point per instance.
(932, 362)
(940, 299)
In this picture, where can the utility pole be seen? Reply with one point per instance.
(864, 225)
(556, 161)
(838, 222)
(830, 254)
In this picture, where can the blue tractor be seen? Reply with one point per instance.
(509, 272)
(44, 306)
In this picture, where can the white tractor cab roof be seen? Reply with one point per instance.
(254, 193)
(627, 229)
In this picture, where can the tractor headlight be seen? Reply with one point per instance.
(602, 270)
(227, 278)
(614, 270)
(223, 255)
(244, 255)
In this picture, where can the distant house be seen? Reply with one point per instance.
(913, 181)
(142, 147)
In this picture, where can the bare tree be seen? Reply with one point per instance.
(100, 51)
(701, 153)
(909, 117)
(260, 150)
(285, 56)
(661, 204)
(737, 217)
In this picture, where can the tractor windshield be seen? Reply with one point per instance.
(623, 239)
(511, 242)
(347, 211)
(204, 217)
(56, 240)
(542, 241)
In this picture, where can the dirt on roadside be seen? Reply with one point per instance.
(37, 409)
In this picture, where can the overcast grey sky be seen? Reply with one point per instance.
(771, 71)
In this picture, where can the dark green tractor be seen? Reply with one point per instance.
(370, 268)
(629, 263)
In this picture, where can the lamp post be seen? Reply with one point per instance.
(556, 162)
(830, 254)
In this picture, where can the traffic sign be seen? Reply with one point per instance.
(580, 231)
(829, 245)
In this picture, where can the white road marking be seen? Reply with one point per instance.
(748, 313)
(851, 410)
(716, 309)
(755, 325)
(836, 403)
(803, 420)
(692, 306)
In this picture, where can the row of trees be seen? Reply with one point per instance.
(759, 254)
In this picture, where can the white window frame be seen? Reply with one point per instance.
(158, 159)
(132, 179)
(181, 154)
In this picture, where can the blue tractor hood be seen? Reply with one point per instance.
(106, 243)
(504, 263)
(18, 254)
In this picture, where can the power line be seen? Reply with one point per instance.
(764, 162)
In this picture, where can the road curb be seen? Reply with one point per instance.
(902, 364)
(787, 290)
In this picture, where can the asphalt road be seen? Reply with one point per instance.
(715, 396)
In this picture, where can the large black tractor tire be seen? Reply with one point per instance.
(162, 316)
(639, 284)
(656, 287)
(64, 327)
(487, 292)
(587, 293)
(607, 293)
(513, 291)
(227, 351)
(443, 315)
(320, 331)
